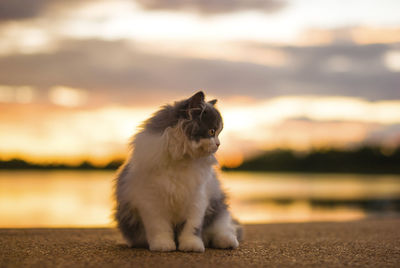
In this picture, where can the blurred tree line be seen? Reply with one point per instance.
(19, 164)
(362, 160)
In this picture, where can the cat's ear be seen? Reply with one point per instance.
(213, 102)
(195, 104)
(196, 100)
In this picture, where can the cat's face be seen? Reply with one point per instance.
(191, 127)
(203, 124)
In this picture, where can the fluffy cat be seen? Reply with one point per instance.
(167, 192)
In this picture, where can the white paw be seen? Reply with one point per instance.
(225, 241)
(162, 245)
(191, 243)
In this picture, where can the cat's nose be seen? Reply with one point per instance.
(218, 144)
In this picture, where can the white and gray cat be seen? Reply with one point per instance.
(167, 192)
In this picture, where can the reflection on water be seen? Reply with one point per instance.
(55, 198)
(84, 198)
(277, 197)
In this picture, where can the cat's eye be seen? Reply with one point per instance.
(211, 132)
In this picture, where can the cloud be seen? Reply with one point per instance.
(214, 7)
(117, 72)
(27, 9)
(21, 9)
(350, 35)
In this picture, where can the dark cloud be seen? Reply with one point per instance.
(364, 73)
(21, 9)
(116, 72)
(214, 6)
(26, 9)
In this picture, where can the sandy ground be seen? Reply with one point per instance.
(369, 243)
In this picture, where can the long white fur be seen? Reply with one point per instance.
(170, 180)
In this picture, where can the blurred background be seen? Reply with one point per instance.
(309, 92)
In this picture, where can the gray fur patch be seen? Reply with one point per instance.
(208, 119)
(197, 232)
(178, 230)
(130, 226)
(128, 221)
(168, 116)
(214, 209)
(239, 230)
(199, 117)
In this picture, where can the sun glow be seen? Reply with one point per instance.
(98, 135)
(392, 60)
(70, 136)
(66, 96)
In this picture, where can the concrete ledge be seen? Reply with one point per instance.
(369, 243)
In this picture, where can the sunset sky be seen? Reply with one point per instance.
(78, 77)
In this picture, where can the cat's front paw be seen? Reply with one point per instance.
(191, 243)
(162, 245)
(225, 241)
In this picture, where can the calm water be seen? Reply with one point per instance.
(84, 198)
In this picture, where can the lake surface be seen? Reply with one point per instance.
(84, 198)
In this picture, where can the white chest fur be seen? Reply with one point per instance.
(179, 188)
(170, 185)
